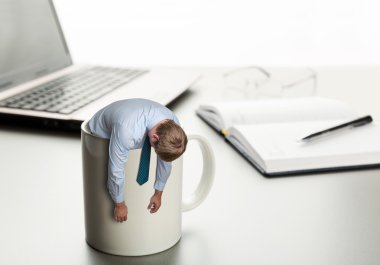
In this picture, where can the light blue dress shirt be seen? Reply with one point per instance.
(126, 123)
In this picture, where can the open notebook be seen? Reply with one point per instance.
(268, 134)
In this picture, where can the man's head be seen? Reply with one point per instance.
(168, 140)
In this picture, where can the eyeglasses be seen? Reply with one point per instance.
(255, 82)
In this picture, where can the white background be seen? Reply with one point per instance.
(222, 32)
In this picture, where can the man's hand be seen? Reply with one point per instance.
(120, 212)
(155, 202)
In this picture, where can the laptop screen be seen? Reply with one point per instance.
(31, 43)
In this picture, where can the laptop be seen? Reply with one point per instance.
(40, 85)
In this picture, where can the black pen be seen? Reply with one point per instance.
(351, 124)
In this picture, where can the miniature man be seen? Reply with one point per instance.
(133, 124)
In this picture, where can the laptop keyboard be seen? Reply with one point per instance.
(71, 92)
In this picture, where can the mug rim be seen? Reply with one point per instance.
(85, 129)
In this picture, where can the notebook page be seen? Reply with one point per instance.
(280, 147)
(282, 110)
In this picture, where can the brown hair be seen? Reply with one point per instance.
(172, 141)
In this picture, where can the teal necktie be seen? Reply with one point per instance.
(143, 173)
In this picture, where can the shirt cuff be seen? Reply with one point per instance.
(159, 185)
(117, 198)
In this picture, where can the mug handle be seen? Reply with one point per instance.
(205, 183)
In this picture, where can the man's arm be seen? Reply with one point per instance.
(163, 171)
(118, 154)
(162, 174)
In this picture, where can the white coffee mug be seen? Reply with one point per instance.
(143, 233)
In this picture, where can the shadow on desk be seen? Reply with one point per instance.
(191, 249)
(35, 130)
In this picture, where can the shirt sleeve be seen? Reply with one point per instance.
(163, 171)
(118, 155)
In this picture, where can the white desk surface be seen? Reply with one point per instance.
(247, 219)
